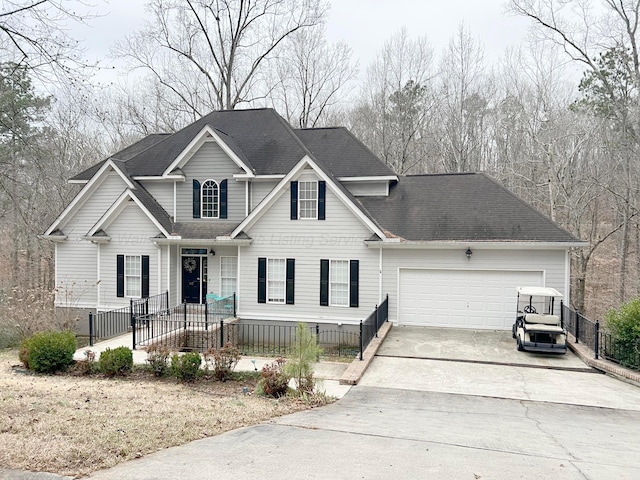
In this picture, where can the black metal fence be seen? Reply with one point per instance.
(369, 327)
(200, 328)
(602, 342)
(104, 325)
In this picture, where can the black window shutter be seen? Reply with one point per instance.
(324, 283)
(145, 276)
(196, 199)
(322, 193)
(294, 200)
(223, 199)
(354, 267)
(291, 276)
(120, 276)
(262, 280)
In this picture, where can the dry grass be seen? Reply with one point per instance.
(76, 425)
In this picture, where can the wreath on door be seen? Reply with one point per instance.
(190, 264)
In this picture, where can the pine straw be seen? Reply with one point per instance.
(76, 425)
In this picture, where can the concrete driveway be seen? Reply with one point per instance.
(483, 346)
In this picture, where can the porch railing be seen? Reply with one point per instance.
(369, 327)
(104, 325)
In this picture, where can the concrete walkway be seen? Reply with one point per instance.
(329, 373)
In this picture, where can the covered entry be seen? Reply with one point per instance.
(194, 275)
(479, 299)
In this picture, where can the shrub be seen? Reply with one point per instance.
(118, 361)
(48, 352)
(273, 381)
(304, 352)
(624, 325)
(157, 358)
(224, 359)
(186, 367)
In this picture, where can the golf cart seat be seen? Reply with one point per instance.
(539, 318)
(541, 327)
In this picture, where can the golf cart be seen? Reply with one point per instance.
(537, 328)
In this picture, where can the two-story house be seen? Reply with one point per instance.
(302, 225)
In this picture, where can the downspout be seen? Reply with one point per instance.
(380, 277)
(169, 273)
(98, 290)
(175, 202)
(567, 276)
(159, 268)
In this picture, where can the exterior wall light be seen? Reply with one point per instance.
(468, 253)
(212, 252)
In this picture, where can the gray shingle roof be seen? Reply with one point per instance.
(203, 230)
(342, 153)
(460, 207)
(262, 139)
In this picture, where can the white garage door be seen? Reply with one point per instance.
(461, 298)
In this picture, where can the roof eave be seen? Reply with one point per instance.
(482, 245)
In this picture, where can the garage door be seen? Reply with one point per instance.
(461, 298)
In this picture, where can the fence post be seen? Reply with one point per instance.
(360, 339)
(387, 302)
(133, 323)
(184, 315)
(234, 304)
(561, 315)
(377, 313)
(221, 333)
(206, 315)
(166, 296)
(90, 329)
(577, 326)
(597, 339)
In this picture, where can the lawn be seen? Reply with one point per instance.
(74, 425)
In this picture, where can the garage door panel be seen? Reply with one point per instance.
(461, 298)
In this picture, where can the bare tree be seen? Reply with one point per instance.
(34, 35)
(311, 77)
(466, 96)
(210, 54)
(396, 102)
(605, 43)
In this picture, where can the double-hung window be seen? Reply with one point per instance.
(307, 200)
(276, 280)
(132, 276)
(228, 275)
(339, 283)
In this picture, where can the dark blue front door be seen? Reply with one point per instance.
(193, 284)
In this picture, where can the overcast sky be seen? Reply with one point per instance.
(363, 24)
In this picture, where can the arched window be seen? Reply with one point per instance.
(210, 199)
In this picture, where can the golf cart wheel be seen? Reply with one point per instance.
(513, 331)
(520, 346)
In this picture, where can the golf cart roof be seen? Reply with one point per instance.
(539, 292)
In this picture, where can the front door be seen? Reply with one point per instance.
(194, 283)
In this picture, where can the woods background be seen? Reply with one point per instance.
(555, 120)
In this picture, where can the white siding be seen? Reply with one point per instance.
(76, 261)
(550, 262)
(367, 189)
(174, 295)
(162, 192)
(259, 190)
(211, 163)
(130, 234)
(339, 237)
